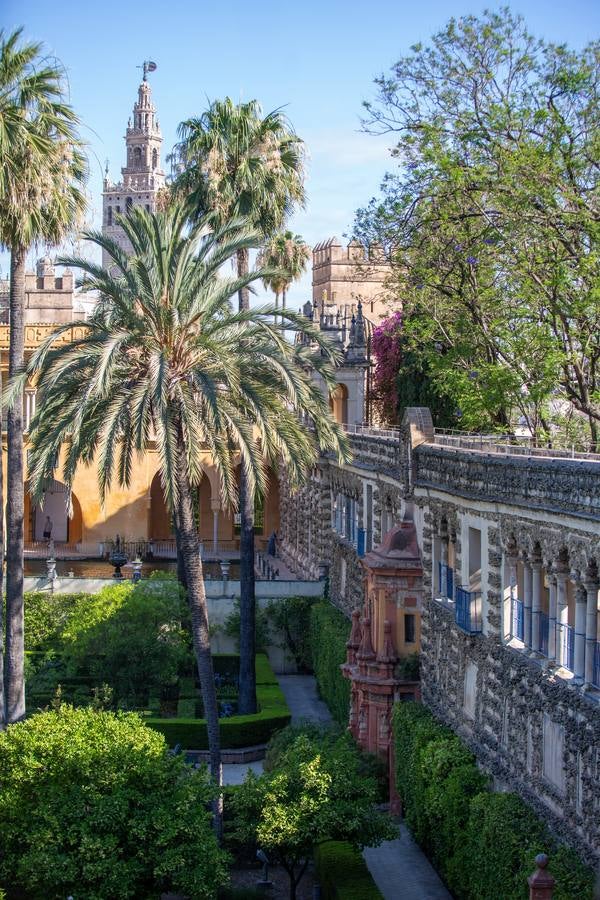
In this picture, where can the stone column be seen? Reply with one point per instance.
(215, 506)
(527, 600)
(591, 628)
(552, 616)
(562, 614)
(536, 605)
(580, 615)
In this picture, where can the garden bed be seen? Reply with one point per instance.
(130, 648)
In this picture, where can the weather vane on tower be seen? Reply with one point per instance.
(148, 66)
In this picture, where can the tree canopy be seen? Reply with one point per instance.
(492, 221)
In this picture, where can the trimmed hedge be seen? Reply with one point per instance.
(236, 731)
(329, 631)
(343, 873)
(478, 840)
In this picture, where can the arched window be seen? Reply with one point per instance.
(147, 207)
(128, 203)
(154, 158)
(137, 157)
(109, 216)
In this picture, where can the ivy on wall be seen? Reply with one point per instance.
(482, 843)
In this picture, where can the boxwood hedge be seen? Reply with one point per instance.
(481, 842)
(236, 731)
(329, 631)
(343, 873)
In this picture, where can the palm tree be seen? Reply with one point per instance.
(287, 254)
(42, 172)
(235, 162)
(167, 364)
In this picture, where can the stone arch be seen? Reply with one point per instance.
(338, 403)
(67, 526)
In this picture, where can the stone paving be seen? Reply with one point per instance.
(399, 868)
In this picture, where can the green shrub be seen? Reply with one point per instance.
(231, 626)
(480, 841)
(129, 637)
(291, 620)
(46, 615)
(317, 791)
(236, 731)
(343, 873)
(92, 805)
(318, 733)
(329, 632)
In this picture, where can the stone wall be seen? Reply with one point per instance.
(517, 719)
(558, 485)
(532, 723)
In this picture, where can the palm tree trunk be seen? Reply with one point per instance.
(181, 576)
(190, 552)
(247, 694)
(2, 703)
(243, 265)
(14, 684)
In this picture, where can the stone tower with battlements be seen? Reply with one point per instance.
(142, 175)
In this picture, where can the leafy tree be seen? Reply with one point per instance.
(42, 173)
(286, 255)
(317, 791)
(92, 805)
(388, 359)
(131, 638)
(164, 362)
(237, 162)
(492, 219)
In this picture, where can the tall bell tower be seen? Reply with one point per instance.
(142, 175)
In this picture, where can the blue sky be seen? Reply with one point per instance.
(318, 59)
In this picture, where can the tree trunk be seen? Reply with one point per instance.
(190, 552)
(247, 694)
(181, 576)
(14, 684)
(2, 703)
(243, 264)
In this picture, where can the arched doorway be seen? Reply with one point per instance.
(338, 403)
(64, 529)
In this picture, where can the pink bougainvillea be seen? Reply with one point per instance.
(388, 356)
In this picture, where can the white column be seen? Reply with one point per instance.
(215, 513)
(551, 616)
(562, 615)
(591, 629)
(527, 597)
(580, 614)
(536, 605)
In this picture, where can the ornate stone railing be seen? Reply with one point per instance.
(379, 452)
(561, 485)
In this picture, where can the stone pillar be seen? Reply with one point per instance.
(541, 883)
(591, 628)
(536, 605)
(527, 601)
(562, 614)
(552, 616)
(215, 506)
(580, 615)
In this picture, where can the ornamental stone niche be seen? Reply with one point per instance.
(380, 659)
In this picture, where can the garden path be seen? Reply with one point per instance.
(399, 868)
